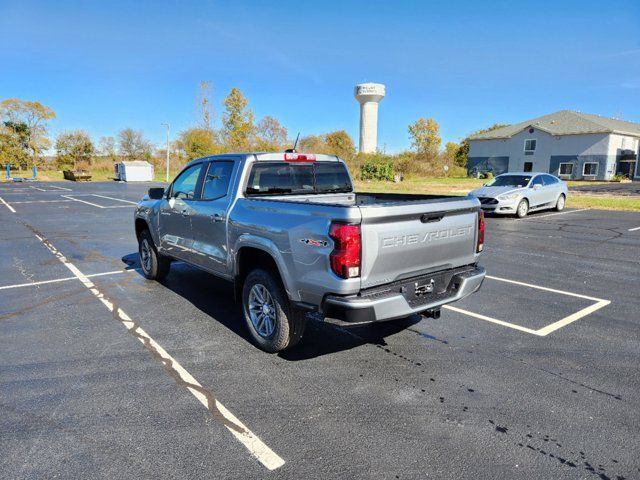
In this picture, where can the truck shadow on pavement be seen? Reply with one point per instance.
(215, 298)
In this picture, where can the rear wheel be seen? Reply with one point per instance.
(154, 265)
(523, 208)
(561, 202)
(273, 323)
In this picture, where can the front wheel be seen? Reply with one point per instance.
(154, 265)
(561, 203)
(523, 208)
(273, 323)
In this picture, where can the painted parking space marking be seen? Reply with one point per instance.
(65, 279)
(75, 199)
(633, 229)
(258, 449)
(553, 214)
(116, 199)
(39, 201)
(11, 209)
(544, 331)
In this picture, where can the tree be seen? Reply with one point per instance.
(14, 146)
(450, 151)
(198, 142)
(206, 113)
(425, 137)
(34, 116)
(313, 144)
(341, 144)
(107, 148)
(133, 145)
(463, 151)
(270, 135)
(237, 122)
(74, 148)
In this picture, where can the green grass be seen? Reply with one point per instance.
(604, 202)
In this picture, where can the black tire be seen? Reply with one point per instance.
(155, 266)
(289, 322)
(522, 209)
(560, 203)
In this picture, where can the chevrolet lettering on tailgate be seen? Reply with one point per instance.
(400, 240)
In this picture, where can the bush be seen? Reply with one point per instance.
(380, 170)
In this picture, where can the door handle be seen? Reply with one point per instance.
(217, 217)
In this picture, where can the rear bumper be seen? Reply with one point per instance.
(389, 302)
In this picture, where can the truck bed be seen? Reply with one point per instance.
(403, 235)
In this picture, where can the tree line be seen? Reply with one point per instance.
(24, 137)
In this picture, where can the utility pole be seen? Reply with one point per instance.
(167, 125)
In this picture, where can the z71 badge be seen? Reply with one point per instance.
(314, 243)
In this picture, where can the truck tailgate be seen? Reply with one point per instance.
(407, 240)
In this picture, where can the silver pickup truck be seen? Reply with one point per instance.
(291, 234)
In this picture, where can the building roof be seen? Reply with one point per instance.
(565, 122)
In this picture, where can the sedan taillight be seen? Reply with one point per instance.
(345, 257)
(480, 243)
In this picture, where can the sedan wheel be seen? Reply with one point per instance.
(560, 203)
(523, 209)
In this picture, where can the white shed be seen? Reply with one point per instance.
(136, 171)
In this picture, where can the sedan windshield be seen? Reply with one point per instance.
(520, 181)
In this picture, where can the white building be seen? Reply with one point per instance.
(571, 145)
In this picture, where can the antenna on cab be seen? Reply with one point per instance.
(293, 150)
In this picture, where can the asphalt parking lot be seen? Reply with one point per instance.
(106, 375)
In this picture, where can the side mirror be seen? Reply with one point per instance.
(156, 193)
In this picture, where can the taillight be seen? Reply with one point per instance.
(299, 157)
(345, 257)
(480, 244)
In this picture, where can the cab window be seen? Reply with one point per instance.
(184, 187)
(217, 180)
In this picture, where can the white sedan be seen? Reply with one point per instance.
(522, 192)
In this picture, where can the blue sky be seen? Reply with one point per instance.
(103, 66)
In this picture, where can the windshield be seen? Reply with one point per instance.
(281, 178)
(519, 181)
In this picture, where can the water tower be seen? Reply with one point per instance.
(369, 95)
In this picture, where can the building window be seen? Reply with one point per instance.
(530, 146)
(528, 166)
(590, 169)
(566, 169)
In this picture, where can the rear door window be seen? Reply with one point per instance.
(217, 180)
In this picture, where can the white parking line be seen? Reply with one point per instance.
(256, 447)
(60, 188)
(116, 199)
(41, 201)
(65, 279)
(36, 188)
(633, 229)
(82, 201)
(7, 205)
(95, 204)
(552, 214)
(544, 331)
